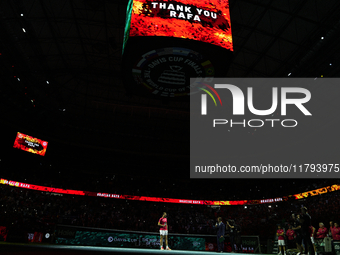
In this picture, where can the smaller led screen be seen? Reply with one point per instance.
(30, 144)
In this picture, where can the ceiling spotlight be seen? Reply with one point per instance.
(18, 79)
(47, 82)
(289, 74)
(330, 64)
(23, 29)
(22, 15)
(322, 37)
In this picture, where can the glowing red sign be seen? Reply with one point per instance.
(201, 20)
(316, 192)
(30, 144)
(41, 188)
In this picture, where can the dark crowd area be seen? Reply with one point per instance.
(32, 211)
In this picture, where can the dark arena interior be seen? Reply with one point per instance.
(118, 158)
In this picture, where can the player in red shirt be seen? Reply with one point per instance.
(281, 239)
(163, 231)
(336, 232)
(322, 231)
(331, 228)
(312, 233)
(291, 237)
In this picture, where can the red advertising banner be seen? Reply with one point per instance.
(42, 188)
(311, 193)
(201, 20)
(30, 144)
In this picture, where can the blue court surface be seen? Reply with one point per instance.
(13, 248)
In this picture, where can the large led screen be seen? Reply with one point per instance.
(30, 144)
(201, 20)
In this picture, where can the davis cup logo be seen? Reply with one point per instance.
(238, 104)
(167, 71)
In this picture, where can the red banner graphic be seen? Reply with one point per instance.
(316, 192)
(30, 144)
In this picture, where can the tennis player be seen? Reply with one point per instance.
(163, 231)
(281, 240)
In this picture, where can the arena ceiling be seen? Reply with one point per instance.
(61, 70)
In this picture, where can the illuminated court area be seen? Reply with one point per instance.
(12, 248)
